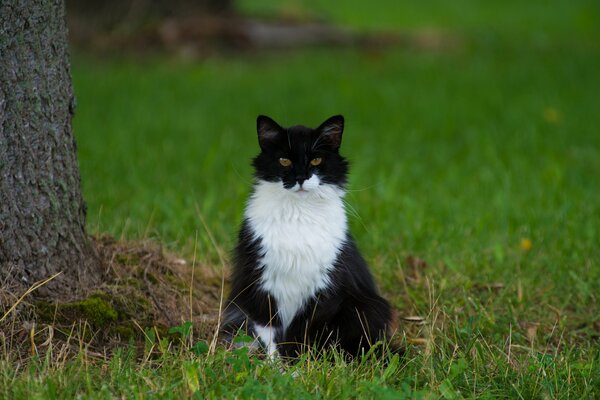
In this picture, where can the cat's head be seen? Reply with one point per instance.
(301, 158)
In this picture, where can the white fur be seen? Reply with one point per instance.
(302, 232)
(266, 334)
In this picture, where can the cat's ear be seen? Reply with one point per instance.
(267, 130)
(332, 130)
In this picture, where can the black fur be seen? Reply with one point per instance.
(300, 144)
(350, 314)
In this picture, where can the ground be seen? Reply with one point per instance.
(472, 195)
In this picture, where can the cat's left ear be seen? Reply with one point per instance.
(332, 130)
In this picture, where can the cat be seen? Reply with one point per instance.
(299, 280)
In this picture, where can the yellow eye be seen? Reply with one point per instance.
(315, 161)
(285, 162)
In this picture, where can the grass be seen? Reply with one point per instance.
(531, 21)
(459, 158)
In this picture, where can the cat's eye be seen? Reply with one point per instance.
(286, 162)
(315, 161)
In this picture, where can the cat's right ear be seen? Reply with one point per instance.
(267, 130)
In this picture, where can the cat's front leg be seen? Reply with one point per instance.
(268, 336)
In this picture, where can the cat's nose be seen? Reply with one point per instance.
(300, 181)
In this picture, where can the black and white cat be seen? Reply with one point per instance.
(299, 280)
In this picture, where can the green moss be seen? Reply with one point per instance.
(46, 311)
(110, 314)
(95, 309)
(124, 331)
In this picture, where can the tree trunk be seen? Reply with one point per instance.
(42, 212)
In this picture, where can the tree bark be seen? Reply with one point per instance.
(42, 212)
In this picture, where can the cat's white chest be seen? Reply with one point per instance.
(301, 236)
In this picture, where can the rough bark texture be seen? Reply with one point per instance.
(42, 212)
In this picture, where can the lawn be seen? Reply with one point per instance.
(473, 194)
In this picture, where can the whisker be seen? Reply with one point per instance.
(354, 213)
(312, 148)
(362, 189)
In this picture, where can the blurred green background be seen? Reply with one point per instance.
(459, 150)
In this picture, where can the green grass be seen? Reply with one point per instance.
(533, 20)
(456, 157)
(235, 374)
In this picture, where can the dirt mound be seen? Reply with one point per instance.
(145, 288)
